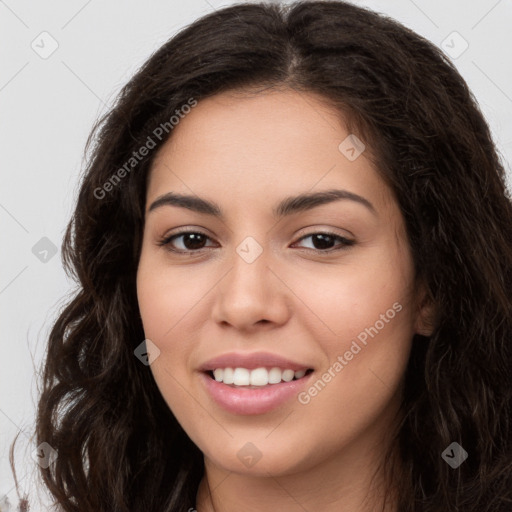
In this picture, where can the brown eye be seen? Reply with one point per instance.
(323, 242)
(191, 241)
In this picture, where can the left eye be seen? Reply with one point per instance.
(193, 241)
(326, 239)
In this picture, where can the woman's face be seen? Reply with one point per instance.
(255, 285)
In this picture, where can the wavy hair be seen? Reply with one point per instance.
(119, 446)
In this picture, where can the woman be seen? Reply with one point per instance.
(294, 249)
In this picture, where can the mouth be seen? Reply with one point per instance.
(256, 378)
(243, 391)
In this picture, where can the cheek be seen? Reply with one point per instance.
(364, 329)
(168, 317)
(342, 301)
(161, 310)
(364, 325)
(166, 296)
(169, 301)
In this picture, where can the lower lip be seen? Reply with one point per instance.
(243, 400)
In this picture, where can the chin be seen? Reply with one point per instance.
(259, 458)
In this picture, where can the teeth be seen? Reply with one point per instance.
(274, 376)
(259, 377)
(300, 374)
(288, 375)
(227, 377)
(241, 377)
(256, 377)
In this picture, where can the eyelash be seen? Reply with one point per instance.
(166, 242)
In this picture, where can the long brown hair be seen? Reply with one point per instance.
(119, 446)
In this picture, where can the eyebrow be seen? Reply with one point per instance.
(288, 206)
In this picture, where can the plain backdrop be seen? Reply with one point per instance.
(49, 102)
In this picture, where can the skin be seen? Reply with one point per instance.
(246, 153)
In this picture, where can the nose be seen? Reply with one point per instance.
(251, 294)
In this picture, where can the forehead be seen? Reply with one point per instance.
(239, 146)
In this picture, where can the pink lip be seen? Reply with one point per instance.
(240, 400)
(252, 361)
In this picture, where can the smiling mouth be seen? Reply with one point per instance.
(257, 378)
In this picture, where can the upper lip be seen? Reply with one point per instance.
(252, 361)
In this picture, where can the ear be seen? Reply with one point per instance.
(425, 312)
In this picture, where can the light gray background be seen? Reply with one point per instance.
(48, 106)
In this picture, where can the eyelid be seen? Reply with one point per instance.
(315, 229)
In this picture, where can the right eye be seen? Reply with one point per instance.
(193, 241)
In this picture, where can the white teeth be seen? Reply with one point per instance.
(241, 377)
(227, 377)
(288, 375)
(274, 376)
(257, 377)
